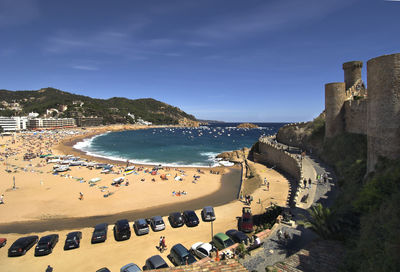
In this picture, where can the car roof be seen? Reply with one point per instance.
(72, 234)
(206, 246)
(156, 260)
(122, 222)
(101, 226)
(175, 214)
(231, 232)
(141, 221)
(47, 238)
(157, 217)
(180, 249)
(222, 236)
(208, 208)
(130, 267)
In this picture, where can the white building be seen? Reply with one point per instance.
(13, 123)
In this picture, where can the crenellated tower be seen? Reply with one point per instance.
(352, 73)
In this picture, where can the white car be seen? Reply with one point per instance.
(201, 249)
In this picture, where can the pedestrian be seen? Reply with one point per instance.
(305, 183)
(309, 183)
(267, 185)
(80, 196)
(2, 199)
(163, 245)
(49, 269)
(279, 234)
(160, 244)
(265, 181)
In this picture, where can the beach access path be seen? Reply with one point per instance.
(276, 250)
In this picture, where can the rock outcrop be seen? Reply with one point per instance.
(247, 125)
(236, 156)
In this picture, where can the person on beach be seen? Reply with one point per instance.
(49, 269)
(80, 196)
(160, 244)
(309, 183)
(163, 245)
(305, 183)
(2, 199)
(267, 185)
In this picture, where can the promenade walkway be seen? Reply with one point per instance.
(276, 250)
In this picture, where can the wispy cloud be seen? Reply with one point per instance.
(17, 12)
(271, 16)
(85, 67)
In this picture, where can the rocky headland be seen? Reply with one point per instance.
(247, 125)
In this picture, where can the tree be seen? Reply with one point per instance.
(322, 221)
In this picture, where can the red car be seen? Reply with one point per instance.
(246, 221)
(3, 242)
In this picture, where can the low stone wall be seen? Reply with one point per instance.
(273, 154)
(355, 116)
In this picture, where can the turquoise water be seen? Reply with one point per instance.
(175, 146)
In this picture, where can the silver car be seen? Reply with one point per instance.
(131, 267)
(141, 227)
(157, 223)
(208, 214)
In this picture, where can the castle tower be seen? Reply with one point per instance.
(383, 108)
(352, 72)
(335, 95)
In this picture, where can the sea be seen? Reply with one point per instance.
(170, 146)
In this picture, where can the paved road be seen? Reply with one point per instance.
(275, 250)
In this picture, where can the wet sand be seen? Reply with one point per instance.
(228, 191)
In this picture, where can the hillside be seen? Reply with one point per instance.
(113, 110)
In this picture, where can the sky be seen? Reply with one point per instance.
(229, 60)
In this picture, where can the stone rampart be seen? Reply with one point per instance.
(355, 116)
(273, 154)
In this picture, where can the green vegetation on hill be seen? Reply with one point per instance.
(113, 110)
(368, 208)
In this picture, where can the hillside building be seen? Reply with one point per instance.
(89, 121)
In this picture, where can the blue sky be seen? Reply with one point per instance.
(253, 60)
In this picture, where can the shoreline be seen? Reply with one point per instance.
(66, 147)
(226, 193)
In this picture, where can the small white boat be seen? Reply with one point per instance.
(76, 163)
(105, 171)
(130, 168)
(94, 180)
(119, 180)
(62, 168)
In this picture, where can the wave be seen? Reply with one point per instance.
(87, 143)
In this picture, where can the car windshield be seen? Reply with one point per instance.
(159, 222)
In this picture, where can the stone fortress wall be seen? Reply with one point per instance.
(375, 112)
(272, 154)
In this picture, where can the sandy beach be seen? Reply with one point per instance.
(43, 203)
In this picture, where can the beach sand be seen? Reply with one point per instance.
(43, 201)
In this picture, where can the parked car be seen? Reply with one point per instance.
(157, 223)
(122, 230)
(191, 219)
(100, 233)
(246, 221)
(104, 269)
(237, 236)
(3, 242)
(73, 240)
(131, 267)
(141, 227)
(201, 249)
(179, 255)
(176, 219)
(22, 245)
(46, 244)
(155, 262)
(208, 214)
(221, 241)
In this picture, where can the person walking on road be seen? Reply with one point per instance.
(309, 183)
